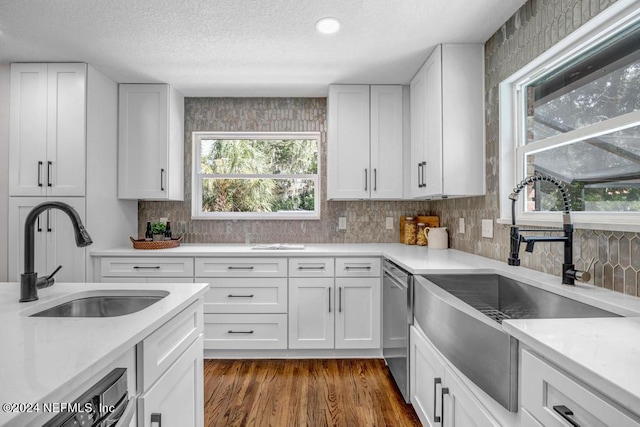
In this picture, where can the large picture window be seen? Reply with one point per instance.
(576, 117)
(256, 175)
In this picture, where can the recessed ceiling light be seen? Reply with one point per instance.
(328, 25)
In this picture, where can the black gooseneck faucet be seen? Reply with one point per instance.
(569, 273)
(29, 280)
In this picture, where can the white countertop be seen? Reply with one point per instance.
(604, 352)
(42, 359)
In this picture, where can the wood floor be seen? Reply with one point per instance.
(315, 393)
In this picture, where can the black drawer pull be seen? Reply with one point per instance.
(436, 381)
(566, 413)
(239, 296)
(240, 268)
(310, 268)
(348, 267)
(40, 174)
(49, 165)
(240, 332)
(443, 391)
(146, 267)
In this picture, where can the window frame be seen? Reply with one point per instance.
(512, 131)
(196, 191)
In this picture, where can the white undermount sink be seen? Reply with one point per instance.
(279, 246)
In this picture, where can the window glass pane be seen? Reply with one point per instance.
(258, 195)
(602, 84)
(602, 173)
(242, 156)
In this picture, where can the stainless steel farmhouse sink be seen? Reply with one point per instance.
(112, 305)
(462, 315)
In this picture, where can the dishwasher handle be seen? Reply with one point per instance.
(395, 281)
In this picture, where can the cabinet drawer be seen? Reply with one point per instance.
(245, 331)
(164, 346)
(147, 267)
(311, 267)
(358, 267)
(246, 295)
(547, 391)
(241, 267)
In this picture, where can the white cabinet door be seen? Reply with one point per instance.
(66, 130)
(460, 407)
(150, 142)
(426, 376)
(348, 170)
(176, 398)
(358, 312)
(54, 240)
(386, 142)
(48, 129)
(432, 160)
(447, 124)
(311, 312)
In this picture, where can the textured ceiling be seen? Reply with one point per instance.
(244, 47)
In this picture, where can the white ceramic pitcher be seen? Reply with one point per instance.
(437, 237)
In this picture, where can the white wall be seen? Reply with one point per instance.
(5, 73)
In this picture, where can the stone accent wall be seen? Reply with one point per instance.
(365, 219)
(537, 26)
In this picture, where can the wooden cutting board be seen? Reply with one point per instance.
(430, 221)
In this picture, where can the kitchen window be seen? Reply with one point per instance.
(575, 115)
(259, 175)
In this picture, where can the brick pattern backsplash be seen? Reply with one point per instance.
(365, 219)
(537, 26)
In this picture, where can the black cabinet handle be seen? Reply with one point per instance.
(39, 174)
(436, 381)
(354, 267)
(49, 222)
(161, 179)
(239, 296)
(240, 332)
(311, 268)
(49, 165)
(419, 175)
(424, 166)
(445, 390)
(366, 178)
(375, 179)
(231, 267)
(566, 413)
(156, 418)
(340, 299)
(329, 300)
(38, 225)
(146, 267)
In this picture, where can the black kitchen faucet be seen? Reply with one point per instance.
(569, 273)
(29, 280)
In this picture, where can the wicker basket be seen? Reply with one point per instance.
(165, 244)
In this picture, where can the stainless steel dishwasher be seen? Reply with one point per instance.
(397, 316)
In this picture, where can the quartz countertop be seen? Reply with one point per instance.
(603, 352)
(43, 359)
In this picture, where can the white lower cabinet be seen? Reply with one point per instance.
(170, 372)
(311, 312)
(553, 398)
(176, 398)
(438, 395)
(340, 313)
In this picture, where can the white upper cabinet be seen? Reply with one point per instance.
(150, 142)
(365, 142)
(47, 139)
(447, 124)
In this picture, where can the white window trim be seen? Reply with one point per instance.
(512, 105)
(196, 190)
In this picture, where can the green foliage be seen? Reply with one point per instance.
(256, 194)
(158, 227)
